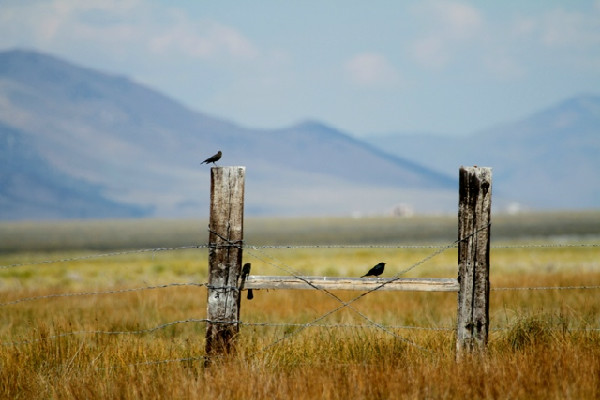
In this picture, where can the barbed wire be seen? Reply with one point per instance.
(290, 246)
(95, 293)
(205, 284)
(546, 288)
(251, 249)
(261, 324)
(546, 245)
(102, 255)
(100, 332)
(346, 246)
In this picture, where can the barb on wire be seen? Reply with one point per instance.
(237, 243)
(118, 291)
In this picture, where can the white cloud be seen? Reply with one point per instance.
(564, 36)
(118, 25)
(457, 20)
(371, 70)
(206, 39)
(449, 26)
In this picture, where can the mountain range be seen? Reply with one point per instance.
(82, 143)
(548, 160)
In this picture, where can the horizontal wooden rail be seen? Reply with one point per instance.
(362, 284)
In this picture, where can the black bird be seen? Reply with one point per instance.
(245, 273)
(213, 159)
(376, 270)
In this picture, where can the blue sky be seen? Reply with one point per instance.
(446, 67)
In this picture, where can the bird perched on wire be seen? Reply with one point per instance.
(376, 270)
(213, 159)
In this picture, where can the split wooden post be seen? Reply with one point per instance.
(224, 257)
(474, 210)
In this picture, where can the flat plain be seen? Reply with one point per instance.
(114, 309)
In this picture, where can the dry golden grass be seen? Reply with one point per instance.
(543, 344)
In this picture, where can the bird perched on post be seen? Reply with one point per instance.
(245, 273)
(376, 270)
(213, 159)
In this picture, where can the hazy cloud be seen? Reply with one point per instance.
(371, 70)
(59, 24)
(448, 26)
(206, 39)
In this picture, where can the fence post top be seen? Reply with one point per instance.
(474, 167)
(230, 167)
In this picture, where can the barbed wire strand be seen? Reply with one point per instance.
(255, 324)
(542, 246)
(204, 320)
(546, 288)
(100, 332)
(205, 284)
(288, 246)
(96, 293)
(102, 255)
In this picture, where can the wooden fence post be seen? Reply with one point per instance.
(224, 257)
(474, 209)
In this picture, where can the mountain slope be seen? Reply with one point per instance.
(547, 160)
(138, 147)
(33, 190)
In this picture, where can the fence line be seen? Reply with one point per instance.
(205, 284)
(280, 265)
(289, 246)
(260, 324)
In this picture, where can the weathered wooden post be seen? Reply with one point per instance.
(224, 257)
(474, 209)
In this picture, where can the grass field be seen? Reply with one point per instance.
(543, 343)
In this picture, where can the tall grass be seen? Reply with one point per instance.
(543, 343)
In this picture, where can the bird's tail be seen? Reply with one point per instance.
(364, 275)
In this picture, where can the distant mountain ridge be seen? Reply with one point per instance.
(116, 148)
(549, 160)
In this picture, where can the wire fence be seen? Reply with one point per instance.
(262, 254)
